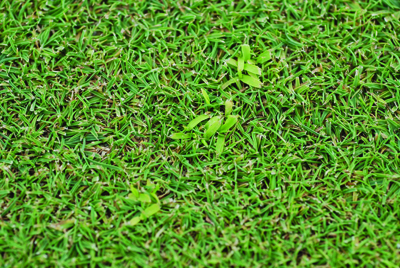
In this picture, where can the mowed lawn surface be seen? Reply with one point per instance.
(91, 92)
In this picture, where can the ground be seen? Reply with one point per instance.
(91, 93)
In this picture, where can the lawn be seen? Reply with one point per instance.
(175, 133)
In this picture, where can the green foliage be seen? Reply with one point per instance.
(244, 63)
(91, 92)
(214, 125)
(149, 201)
(196, 121)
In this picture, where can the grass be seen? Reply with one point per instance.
(92, 91)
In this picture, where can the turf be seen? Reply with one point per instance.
(91, 93)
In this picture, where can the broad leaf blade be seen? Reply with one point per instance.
(252, 62)
(230, 82)
(212, 128)
(254, 76)
(219, 147)
(205, 95)
(213, 120)
(135, 193)
(254, 82)
(155, 197)
(252, 69)
(151, 210)
(196, 121)
(232, 62)
(266, 56)
(246, 52)
(240, 67)
(228, 107)
(230, 122)
(180, 136)
(135, 220)
(144, 198)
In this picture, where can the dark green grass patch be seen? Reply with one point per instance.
(91, 92)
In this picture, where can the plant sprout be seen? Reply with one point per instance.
(218, 123)
(247, 65)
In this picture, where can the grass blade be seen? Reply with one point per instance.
(251, 81)
(219, 147)
(151, 210)
(134, 221)
(230, 122)
(135, 193)
(180, 136)
(266, 56)
(205, 95)
(196, 121)
(232, 62)
(212, 128)
(252, 69)
(246, 52)
(240, 67)
(213, 120)
(228, 107)
(144, 198)
(230, 82)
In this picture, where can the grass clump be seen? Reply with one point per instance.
(216, 123)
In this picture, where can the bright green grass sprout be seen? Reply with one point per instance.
(244, 63)
(149, 201)
(214, 125)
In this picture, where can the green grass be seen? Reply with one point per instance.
(91, 92)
